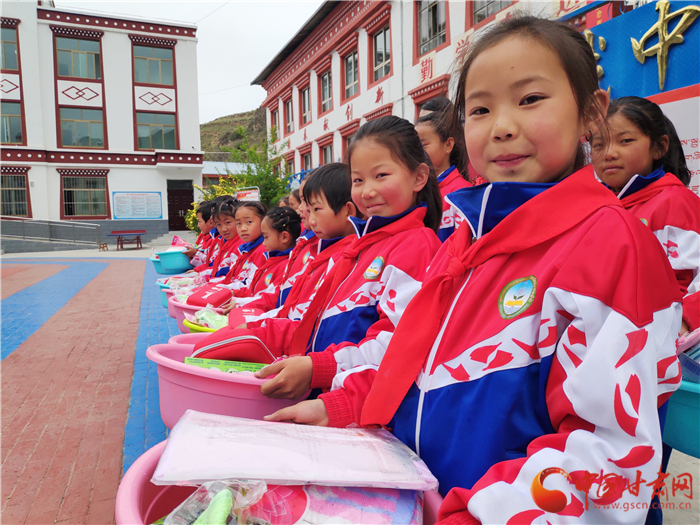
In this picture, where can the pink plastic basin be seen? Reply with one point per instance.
(140, 502)
(171, 308)
(187, 339)
(181, 308)
(183, 387)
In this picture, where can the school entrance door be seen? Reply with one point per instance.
(180, 197)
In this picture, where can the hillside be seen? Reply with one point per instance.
(223, 132)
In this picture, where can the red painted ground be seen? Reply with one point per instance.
(65, 396)
(16, 278)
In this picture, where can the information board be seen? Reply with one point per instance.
(137, 205)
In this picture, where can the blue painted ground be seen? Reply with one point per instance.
(144, 427)
(24, 312)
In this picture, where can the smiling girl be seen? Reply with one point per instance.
(644, 166)
(536, 345)
(353, 315)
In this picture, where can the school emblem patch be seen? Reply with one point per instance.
(644, 221)
(374, 270)
(517, 296)
(268, 279)
(306, 257)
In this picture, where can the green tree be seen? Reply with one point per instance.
(261, 169)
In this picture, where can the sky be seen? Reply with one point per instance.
(236, 40)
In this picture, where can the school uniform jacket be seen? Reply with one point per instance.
(225, 257)
(356, 327)
(249, 257)
(449, 180)
(277, 326)
(205, 248)
(672, 212)
(268, 276)
(301, 255)
(364, 309)
(553, 352)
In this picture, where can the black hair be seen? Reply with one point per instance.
(573, 51)
(332, 181)
(296, 195)
(399, 136)
(443, 124)
(204, 209)
(258, 207)
(224, 205)
(285, 200)
(437, 104)
(285, 219)
(651, 121)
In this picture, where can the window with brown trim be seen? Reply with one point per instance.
(289, 168)
(305, 105)
(352, 83)
(156, 130)
(306, 161)
(14, 195)
(326, 92)
(289, 110)
(78, 58)
(274, 122)
(381, 58)
(153, 65)
(84, 196)
(82, 128)
(485, 8)
(11, 128)
(8, 53)
(327, 154)
(432, 25)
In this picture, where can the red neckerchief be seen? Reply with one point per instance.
(570, 202)
(341, 270)
(319, 261)
(651, 190)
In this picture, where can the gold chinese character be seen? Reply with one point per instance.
(602, 44)
(688, 15)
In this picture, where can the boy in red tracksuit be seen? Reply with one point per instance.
(205, 240)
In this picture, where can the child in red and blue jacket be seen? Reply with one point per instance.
(645, 167)
(363, 296)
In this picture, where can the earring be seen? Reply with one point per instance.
(589, 136)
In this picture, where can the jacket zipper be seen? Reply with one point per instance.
(431, 359)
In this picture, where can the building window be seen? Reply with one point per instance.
(432, 25)
(9, 49)
(485, 8)
(84, 196)
(352, 83)
(382, 54)
(327, 154)
(153, 65)
(82, 128)
(305, 106)
(274, 119)
(156, 130)
(78, 58)
(14, 195)
(326, 92)
(290, 116)
(11, 123)
(290, 167)
(307, 162)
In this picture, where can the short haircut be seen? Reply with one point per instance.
(204, 208)
(437, 104)
(331, 180)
